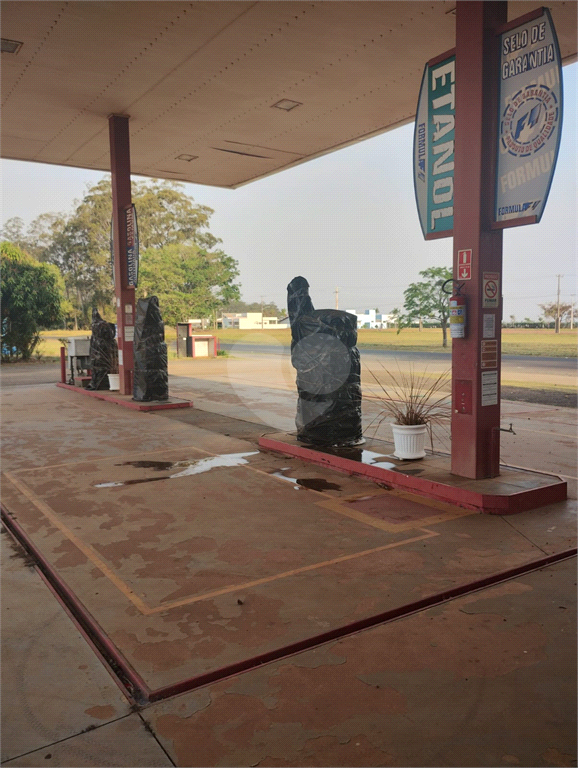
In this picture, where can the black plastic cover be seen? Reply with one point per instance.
(103, 352)
(327, 362)
(151, 378)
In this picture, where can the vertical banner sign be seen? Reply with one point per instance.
(131, 245)
(433, 147)
(530, 119)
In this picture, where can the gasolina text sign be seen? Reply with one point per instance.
(132, 246)
(433, 150)
(132, 254)
(530, 118)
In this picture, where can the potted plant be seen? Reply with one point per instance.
(416, 401)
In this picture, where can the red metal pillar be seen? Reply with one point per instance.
(476, 358)
(121, 201)
(63, 365)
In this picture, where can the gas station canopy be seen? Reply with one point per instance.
(219, 93)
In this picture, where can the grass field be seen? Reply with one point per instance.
(515, 341)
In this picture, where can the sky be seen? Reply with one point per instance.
(348, 221)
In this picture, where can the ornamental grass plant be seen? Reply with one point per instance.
(410, 397)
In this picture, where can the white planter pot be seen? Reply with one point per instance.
(114, 381)
(409, 440)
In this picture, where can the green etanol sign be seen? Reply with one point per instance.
(433, 164)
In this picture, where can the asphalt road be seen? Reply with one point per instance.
(558, 366)
(515, 368)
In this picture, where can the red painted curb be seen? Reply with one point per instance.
(105, 395)
(493, 504)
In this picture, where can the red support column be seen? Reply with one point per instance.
(476, 358)
(121, 201)
(62, 365)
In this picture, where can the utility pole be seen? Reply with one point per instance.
(262, 297)
(337, 298)
(557, 329)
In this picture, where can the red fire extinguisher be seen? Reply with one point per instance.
(458, 311)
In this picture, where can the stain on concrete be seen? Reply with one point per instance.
(329, 751)
(72, 555)
(284, 556)
(158, 656)
(470, 560)
(320, 709)
(238, 552)
(209, 648)
(459, 644)
(155, 633)
(228, 721)
(105, 712)
(557, 758)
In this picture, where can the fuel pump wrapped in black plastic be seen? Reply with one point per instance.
(327, 362)
(103, 352)
(151, 378)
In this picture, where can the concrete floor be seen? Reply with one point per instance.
(245, 553)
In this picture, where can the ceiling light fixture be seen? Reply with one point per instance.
(287, 104)
(187, 158)
(10, 46)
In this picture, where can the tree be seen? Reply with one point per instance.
(398, 320)
(79, 245)
(166, 215)
(551, 311)
(31, 300)
(270, 309)
(13, 232)
(426, 300)
(39, 235)
(188, 280)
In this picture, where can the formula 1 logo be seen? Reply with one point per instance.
(518, 208)
(528, 120)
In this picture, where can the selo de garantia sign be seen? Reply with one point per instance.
(530, 118)
(433, 147)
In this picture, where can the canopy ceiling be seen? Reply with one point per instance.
(205, 83)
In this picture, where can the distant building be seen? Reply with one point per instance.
(369, 318)
(245, 320)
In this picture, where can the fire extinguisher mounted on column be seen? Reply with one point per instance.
(458, 309)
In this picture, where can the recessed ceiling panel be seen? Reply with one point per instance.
(202, 79)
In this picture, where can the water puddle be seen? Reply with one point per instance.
(312, 483)
(133, 482)
(189, 467)
(362, 455)
(370, 457)
(158, 465)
